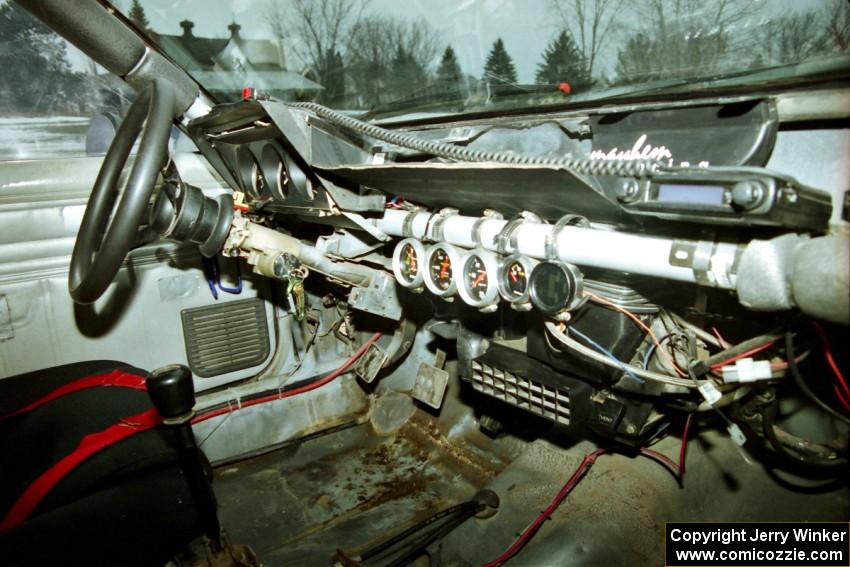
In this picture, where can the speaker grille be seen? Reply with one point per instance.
(226, 337)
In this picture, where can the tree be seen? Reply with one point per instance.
(687, 38)
(406, 75)
(319, 32)
(590, 21)
(499, 68)
(449, 70)
(563, 62)
(837, 14)
(381, 47)
(37, 77)
(138, 17)
(334, 77)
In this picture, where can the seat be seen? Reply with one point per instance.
(126, 504)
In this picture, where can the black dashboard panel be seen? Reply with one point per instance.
(549, 192)
(741, 133)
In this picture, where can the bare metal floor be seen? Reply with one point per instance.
(345, 490)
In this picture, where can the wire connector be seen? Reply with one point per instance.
(747, 370)
(736, 434)
(710, 392)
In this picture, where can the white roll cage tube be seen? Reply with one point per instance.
(703, 262)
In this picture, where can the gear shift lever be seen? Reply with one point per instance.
(173, 395)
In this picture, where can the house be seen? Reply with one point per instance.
(225, 66)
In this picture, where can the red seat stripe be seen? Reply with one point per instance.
(89, 445)
(116, 378)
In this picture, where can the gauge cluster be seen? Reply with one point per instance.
(482, 279)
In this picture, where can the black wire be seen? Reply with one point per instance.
(466, 509)
(801, 383)
(768, 424)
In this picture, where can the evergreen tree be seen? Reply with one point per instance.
(138, 17)
(449, 70)
(563, 62)
(499, 68)
(406, 75)
(334, 74)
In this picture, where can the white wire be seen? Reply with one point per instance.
(552, 328)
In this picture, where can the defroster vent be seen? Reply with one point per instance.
(226, 337)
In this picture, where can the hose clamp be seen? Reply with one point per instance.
(439, 220)
(407, 224)
(506, 241)
(489, 214)
(552, 235)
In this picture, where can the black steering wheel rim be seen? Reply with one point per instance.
(99, 250)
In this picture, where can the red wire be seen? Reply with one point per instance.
(723, 342)
(827, 353)
(663, 459)
(582, 469)
(744, 354)
(203, 416)
(584, 466)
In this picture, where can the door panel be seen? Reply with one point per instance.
(139, 318)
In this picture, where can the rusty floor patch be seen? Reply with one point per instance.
(346, 490)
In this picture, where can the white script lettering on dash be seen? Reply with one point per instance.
(637, 151)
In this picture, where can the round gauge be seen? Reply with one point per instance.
(478, 286)
(555, 287)
(441, 262)
(253, 183)
(408, 256)
(513, 278)
(274, 171)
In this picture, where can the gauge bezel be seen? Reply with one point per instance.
(491, 266)
(574, 278)
(454, 255)
(251, 173)
(528, 264)
(419, 248)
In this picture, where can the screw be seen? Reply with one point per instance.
(631, 429)
(628, 190)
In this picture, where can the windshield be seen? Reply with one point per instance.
(423, 57)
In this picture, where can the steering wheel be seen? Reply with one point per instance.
(109, 226)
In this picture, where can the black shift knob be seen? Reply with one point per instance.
(171, 391)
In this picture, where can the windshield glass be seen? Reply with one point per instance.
(423, 57)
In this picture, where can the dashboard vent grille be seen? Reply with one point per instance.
(226, 337)
(539, 399)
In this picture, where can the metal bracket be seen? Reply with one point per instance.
(379, 299)
(370, 363)
(431, 382)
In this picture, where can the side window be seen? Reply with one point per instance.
(55, 102)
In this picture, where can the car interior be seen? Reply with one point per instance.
(262, 330)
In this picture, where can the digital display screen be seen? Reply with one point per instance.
(691, 194)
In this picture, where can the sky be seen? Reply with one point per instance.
(470, 26)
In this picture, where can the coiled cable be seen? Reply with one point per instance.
(626, 168)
